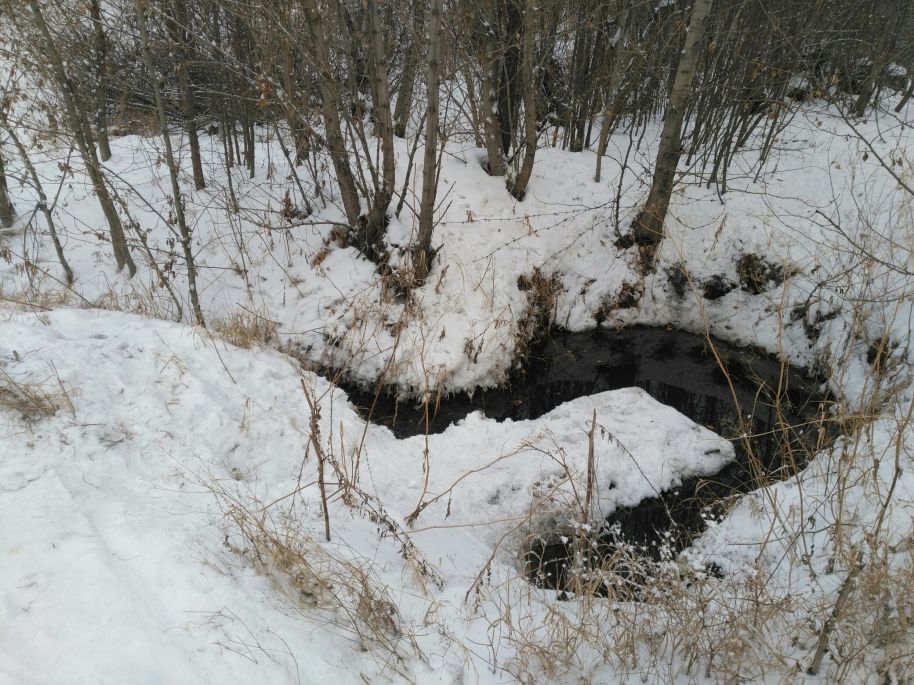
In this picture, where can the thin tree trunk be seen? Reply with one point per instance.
(648, 226)
(101, 81)
(908, 93)
(172, 169)
(285, 153)
(7, 211)
(491, 126)
(42, 201)
(377, 214)
(82, 134)
(509, 74)
(248, 136)
(844, 595)
(473, 107)
(330, 101)
(188, 97)
(188, 101)
(519, 187)
(408, 77)
(872, 82)
(874, 76)
(236, 150)
(409, 168)
(301, 134)
(609, 112)
(580, 110)
(405, 94)
(423, 252)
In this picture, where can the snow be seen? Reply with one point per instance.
(121, 559)
(329, 302)
(119, 565)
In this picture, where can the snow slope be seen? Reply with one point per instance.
(824, 195)
(121, 552)
(113, 545)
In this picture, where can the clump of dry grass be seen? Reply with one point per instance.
(246, 329)
(33, 401)
(40, 299)
(542, 292)
(324, 579)
(340, 591)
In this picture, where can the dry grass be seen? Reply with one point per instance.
(246, 329)
(40, 299)
(33, 401)
(338, 590)
(319, 574)
(542, 293)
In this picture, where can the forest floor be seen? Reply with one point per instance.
(167, 492)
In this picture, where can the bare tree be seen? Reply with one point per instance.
(619, 63)
(42, 198)
(101, 80)
(82, 135)
(648, 226)
(384, 187)
(413, 52)
(183, 228)
(330, 109)
(531, 134)
(181, 35)
(301, 131)
(423, 253)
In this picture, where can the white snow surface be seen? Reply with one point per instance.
(822, 195)
(114, 560)
(118, 548)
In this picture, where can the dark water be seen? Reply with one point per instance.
(767, 409)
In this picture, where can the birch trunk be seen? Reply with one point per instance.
(423, 252)
(648, 226)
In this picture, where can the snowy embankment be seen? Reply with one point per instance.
(160, 497)
(116, 549)
(824, 197)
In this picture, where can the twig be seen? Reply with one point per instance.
(843, 595)
(318, 450)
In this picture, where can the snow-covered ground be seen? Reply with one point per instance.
(116, 546)
(158, 527)
(462, 329)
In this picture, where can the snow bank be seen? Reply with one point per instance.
(115, 566)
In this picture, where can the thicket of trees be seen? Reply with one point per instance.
(338, 80)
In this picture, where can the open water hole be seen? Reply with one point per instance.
(770, 411)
